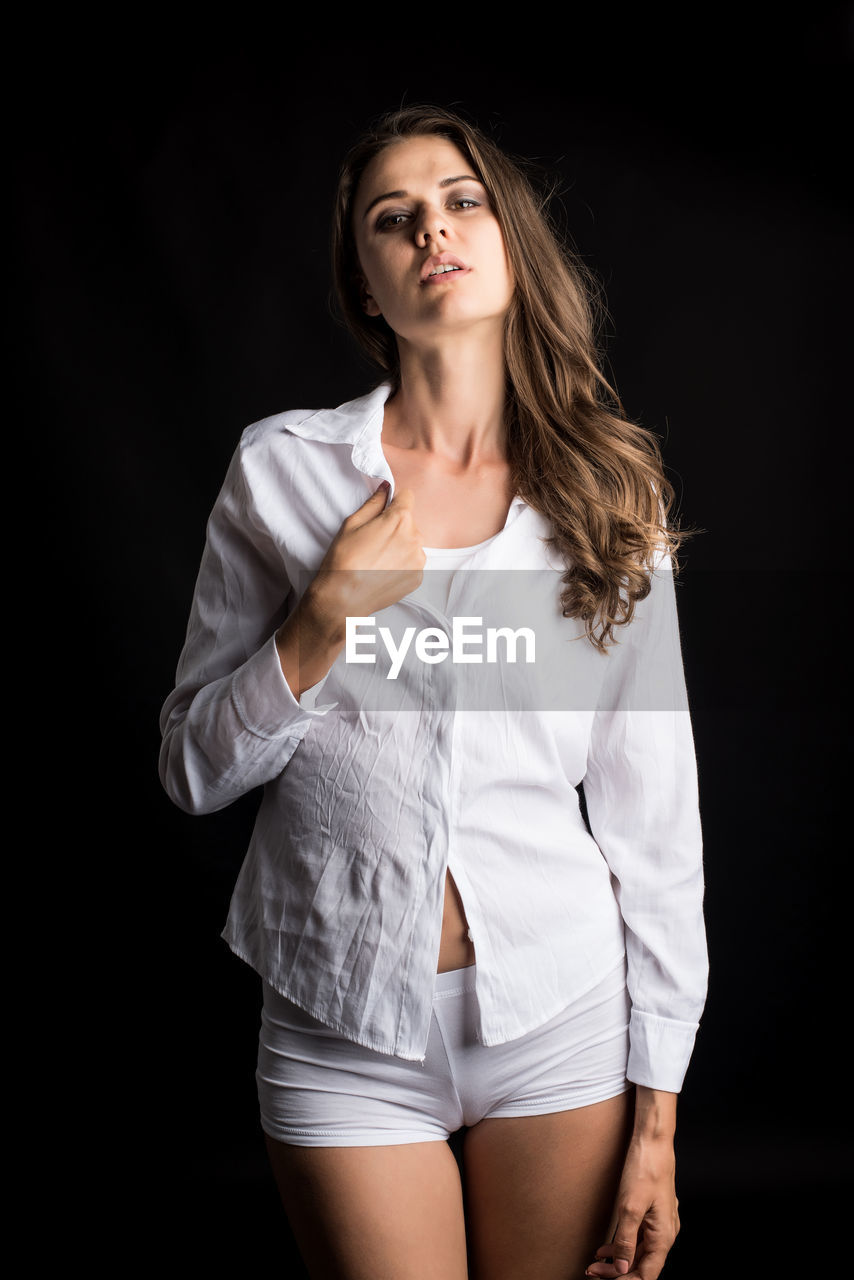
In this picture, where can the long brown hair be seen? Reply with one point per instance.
(573, 454)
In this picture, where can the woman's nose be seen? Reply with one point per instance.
(430, 226)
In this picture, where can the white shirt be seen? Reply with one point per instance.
(440, 570)
(374, 787)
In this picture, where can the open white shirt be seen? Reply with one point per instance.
(375, 786)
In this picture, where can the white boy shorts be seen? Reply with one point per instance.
(318, 1089)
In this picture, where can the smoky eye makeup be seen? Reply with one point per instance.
(463, 187)
(391, 217)
(475, 192)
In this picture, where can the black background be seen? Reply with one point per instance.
(173, 189)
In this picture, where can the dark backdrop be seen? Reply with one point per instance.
(174, 192)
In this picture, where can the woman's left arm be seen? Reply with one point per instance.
(645, 1221)
(641, 792)
(643, 808)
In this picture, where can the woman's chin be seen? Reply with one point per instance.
(450, 322)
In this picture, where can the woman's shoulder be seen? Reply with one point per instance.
(274, 426)
(342, 424)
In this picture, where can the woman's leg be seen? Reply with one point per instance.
(374, 1213)
(540, 1189)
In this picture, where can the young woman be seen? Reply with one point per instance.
(444, 943)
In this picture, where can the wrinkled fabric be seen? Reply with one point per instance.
(375, 787)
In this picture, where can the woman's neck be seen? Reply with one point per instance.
(450, 402)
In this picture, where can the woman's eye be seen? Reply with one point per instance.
(391, 220)
(388, 221)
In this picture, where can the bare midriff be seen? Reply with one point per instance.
(452, 510)
(456, 950)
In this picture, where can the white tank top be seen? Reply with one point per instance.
(442, 564)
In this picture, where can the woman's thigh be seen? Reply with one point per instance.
(540, 1189)
(374, 1213)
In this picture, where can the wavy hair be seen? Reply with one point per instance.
(573, 454)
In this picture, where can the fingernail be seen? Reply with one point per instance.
(622, 1266)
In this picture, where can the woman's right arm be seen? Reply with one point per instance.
(238, 710)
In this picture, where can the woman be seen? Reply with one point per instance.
(443, 942)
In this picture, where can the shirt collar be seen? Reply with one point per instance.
(358, 423)
(347, 423)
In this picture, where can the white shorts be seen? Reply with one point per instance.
(318, 1089)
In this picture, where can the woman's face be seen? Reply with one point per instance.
(430, 248)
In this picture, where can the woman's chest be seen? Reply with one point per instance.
(453, 510)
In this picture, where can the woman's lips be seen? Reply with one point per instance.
(444, 276)
(437, 261)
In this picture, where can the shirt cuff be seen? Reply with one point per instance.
(308, 697)
(659, 1051)
(265, 701)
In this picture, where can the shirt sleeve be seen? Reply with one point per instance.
(643, 808)
(232, 722)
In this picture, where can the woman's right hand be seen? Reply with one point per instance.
(374, 560)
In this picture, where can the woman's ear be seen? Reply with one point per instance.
(369, 304)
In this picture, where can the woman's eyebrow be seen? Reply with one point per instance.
(400, 195)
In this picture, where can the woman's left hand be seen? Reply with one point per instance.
(645, 1222)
